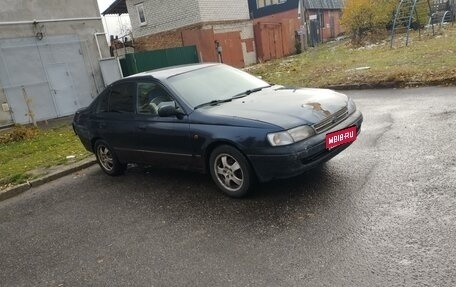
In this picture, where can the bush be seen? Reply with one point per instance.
(19, 133)
(362, 17)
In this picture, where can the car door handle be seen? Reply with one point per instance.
(142, 128)
(102, 126)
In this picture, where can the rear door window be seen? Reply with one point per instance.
(121, 99)
(101, 103)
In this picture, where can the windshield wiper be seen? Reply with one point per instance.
(248, 92)
(240, 95)
(213, 103)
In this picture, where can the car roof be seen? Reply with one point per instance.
(165, 73)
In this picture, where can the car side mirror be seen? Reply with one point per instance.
(168, 110)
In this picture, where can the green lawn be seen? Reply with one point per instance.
(431, 60)
(23, 160)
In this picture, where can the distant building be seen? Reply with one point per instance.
(282, 25)
(322, 19)
(49, 58)
(221, 30)
(276, 24)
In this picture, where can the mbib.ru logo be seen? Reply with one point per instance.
(340, 137)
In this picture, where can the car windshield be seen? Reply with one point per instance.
(214, 84)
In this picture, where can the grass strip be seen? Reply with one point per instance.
(27, 159)
(429, 61)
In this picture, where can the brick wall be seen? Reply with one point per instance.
(163, 15)
(164, 40)
(338, 29)
(205, 41)
(218, 10)
(245, 30)
(168, 19)
(287, 23)
(277, 18)
(326, 29)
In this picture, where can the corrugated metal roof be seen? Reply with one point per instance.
(117, 7)
(323, 4)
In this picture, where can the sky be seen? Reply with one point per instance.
(113, 24)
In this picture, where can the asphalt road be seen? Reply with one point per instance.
(382, 213)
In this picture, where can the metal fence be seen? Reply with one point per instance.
(149, 60)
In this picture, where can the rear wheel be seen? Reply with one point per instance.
(107, 159)
(231, 171)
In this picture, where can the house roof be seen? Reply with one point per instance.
(324, 4)
(118, 7)
(267, 10)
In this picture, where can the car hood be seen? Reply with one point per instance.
(283, 107)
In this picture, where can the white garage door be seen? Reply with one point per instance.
(47, 78)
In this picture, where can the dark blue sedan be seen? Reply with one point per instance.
(217, 119)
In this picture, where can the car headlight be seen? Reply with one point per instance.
(290, 136)
(351, 106)
(280, 139)
(301, 133)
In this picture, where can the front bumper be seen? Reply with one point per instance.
(292, 160)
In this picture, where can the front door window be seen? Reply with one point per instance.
(151, 97)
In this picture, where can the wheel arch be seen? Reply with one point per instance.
(93, 142)
(213, 145)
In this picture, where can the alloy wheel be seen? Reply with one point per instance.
(229, 172)
(105, 157)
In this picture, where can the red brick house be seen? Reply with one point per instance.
(322, 19)
(275, 24)
(281, 24)
(207, 24)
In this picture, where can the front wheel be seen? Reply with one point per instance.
(230, 171)
(107, 159)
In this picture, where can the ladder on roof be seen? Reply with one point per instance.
(409, 15)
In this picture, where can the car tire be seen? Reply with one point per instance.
(107, 159)
(231, 171)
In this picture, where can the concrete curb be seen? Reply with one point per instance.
(393, 85)
(65, 170)
(365, 86)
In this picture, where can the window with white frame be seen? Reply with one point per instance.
(141, 15)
